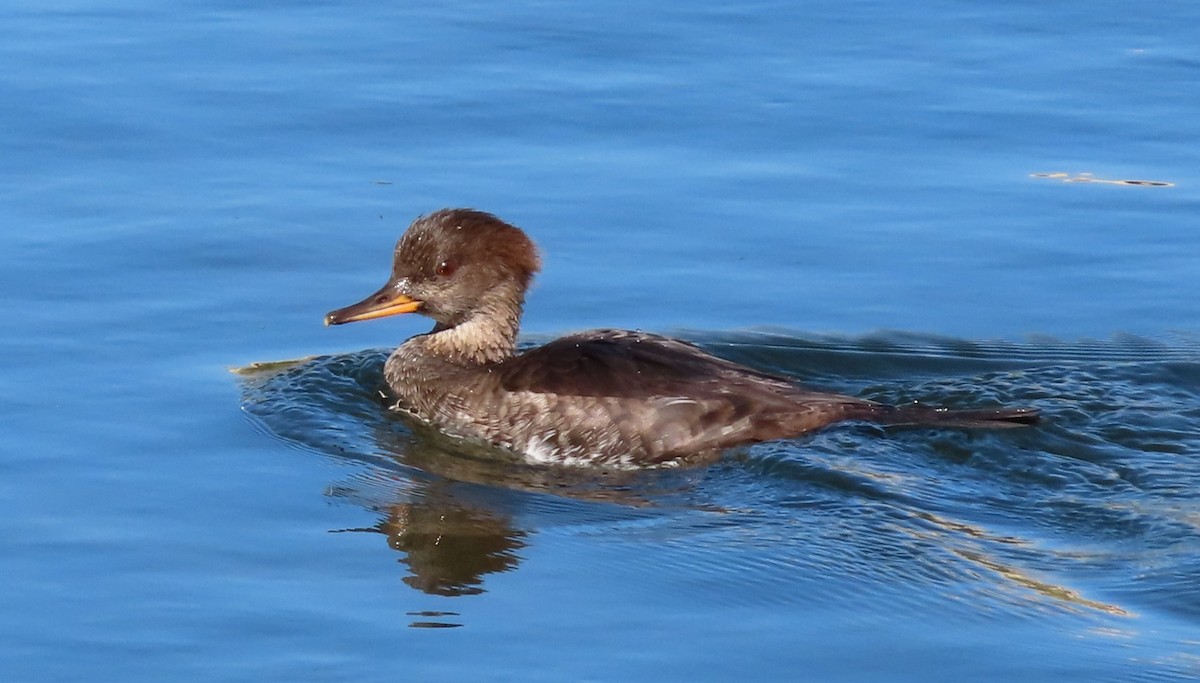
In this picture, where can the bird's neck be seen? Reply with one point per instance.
(488, 335)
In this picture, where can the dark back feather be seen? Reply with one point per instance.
(624, 364)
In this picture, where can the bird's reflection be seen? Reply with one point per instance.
(449, 546)
(450, 534)
(451, 530)
(450, 537)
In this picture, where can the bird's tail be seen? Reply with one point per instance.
(913, 414)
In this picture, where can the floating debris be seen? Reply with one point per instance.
(268, 367)
(1089, 178)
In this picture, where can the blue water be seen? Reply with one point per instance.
(842, 193)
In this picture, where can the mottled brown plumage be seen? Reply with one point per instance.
(607, 397)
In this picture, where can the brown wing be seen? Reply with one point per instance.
(658, 398)
(624, 364)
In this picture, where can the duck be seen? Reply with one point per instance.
(605, 397)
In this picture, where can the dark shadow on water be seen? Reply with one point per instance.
(1003, 520)
(448, 546)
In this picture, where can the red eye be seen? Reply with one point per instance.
(446, 268)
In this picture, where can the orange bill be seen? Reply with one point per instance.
(383, 303)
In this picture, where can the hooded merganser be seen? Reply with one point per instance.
(604, 397)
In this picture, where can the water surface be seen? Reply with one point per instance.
(843, 194)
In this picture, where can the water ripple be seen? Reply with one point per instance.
(1091, 512)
